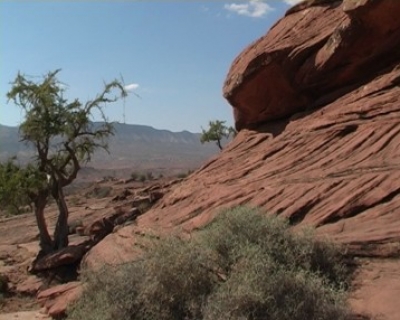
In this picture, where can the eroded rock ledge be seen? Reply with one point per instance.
(312, 57)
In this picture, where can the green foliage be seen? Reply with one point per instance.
(134, 175)
(172, 276)
(73, 225)
(271, 272)
(76, 201)
(217, 130)
(63, 136)
(142, 177)
(244, 265)
(16, 184)
(11, 194)
(99, 192)
(144, 206)
(182, 175)
(61, 131)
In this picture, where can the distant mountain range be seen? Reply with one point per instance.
(133, 147)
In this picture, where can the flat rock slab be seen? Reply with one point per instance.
(56, 299)
(30, 285)
(377, 290)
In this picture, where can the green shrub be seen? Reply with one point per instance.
(142, 177)
(181, 175)
(144, 206)
(236, 230)
(172, 282)
(99, 192)
(75, 201)
(244, 265)
(13, 194)
(134, 175)
(73, 225)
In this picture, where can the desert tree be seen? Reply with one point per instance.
(217, 130)
(63, 137)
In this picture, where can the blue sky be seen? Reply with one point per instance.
(175, 55)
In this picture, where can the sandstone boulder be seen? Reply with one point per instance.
(30, 286)
(99, 229)
(122, 246)
(58, 298)
(312, 57)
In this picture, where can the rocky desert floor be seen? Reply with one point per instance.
(375, 290)
(19, 243)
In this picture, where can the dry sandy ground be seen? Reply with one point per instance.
(25, 315)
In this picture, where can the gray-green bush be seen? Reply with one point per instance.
(99, 192)
(244, 265)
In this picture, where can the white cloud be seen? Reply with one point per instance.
(253, 8)
(292, 2)
(131, 87)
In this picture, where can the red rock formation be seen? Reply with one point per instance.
(312, 57)
(58, 298)
(317, 100)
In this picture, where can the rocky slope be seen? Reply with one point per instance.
(51, 280)
(317, 104)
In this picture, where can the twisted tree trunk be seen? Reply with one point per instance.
(61, 231)
(45, 242)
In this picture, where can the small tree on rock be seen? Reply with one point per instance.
(62, 137)
(217, 130)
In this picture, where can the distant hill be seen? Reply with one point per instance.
(133, 147)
